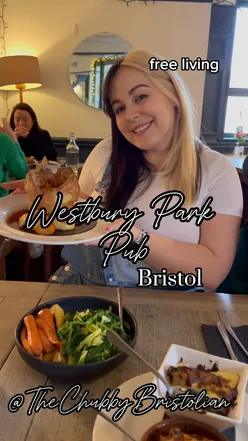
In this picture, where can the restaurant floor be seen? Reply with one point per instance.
(15, 267)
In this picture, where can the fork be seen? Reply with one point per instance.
(117, 341)
(120, 307)
(223, 332)
(232, 333)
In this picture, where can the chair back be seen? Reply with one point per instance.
(244, 186)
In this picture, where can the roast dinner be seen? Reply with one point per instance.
(43, 182)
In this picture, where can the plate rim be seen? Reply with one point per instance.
(149, 376)
(7, 202)
(146, 376)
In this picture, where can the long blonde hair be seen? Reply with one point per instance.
(182, 158)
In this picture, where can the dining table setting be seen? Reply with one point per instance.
(42, 399)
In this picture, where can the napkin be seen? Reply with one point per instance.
(216, 346)
(230, 434)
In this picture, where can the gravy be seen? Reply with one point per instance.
(13, 222)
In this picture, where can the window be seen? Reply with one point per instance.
(225, 101)
(237, 98)
(101, 68)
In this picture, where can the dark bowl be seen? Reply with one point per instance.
(62, 372)
(187, 426)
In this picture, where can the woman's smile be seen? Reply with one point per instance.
(142, 128)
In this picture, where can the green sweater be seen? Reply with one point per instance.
(12, 161)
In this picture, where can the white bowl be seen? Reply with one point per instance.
(192, 358)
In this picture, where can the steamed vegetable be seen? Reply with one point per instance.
(78, 338)
(24, 341)
(33, 337)
(84, 336)
(48, 331)
(59, 315)
(47, 345)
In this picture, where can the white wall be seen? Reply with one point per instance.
(46, 29)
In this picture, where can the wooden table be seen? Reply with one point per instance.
(163, 318)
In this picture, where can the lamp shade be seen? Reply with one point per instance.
(19, 70)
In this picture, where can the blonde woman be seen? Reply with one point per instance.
(153, 150)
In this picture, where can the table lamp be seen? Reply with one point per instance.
(19, 72)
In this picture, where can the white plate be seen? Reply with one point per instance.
(137, 425)
(192, 357)
(15, 202)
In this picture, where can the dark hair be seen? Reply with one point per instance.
(128, 164)
(24, 106)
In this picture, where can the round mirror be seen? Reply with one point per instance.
(90, 63)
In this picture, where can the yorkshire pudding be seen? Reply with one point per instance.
(47, 184)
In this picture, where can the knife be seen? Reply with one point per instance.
(222, 330)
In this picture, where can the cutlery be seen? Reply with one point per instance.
(222, 330)
(4, 245)
(103, 415)
(124, 347)
(120, 307)
(232, 333)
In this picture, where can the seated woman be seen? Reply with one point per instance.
(33, 140)
(12, 159)
(153, 150)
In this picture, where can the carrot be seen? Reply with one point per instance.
(46, 315)
(25, 344)
(32, 335)
(59, 345)
(49, 332)
(47, 345)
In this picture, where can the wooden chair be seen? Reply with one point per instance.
(244, 186)
(6, 246)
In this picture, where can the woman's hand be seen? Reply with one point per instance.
(5, 128)
(18, 186)
(115, 226)
(21, 132)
